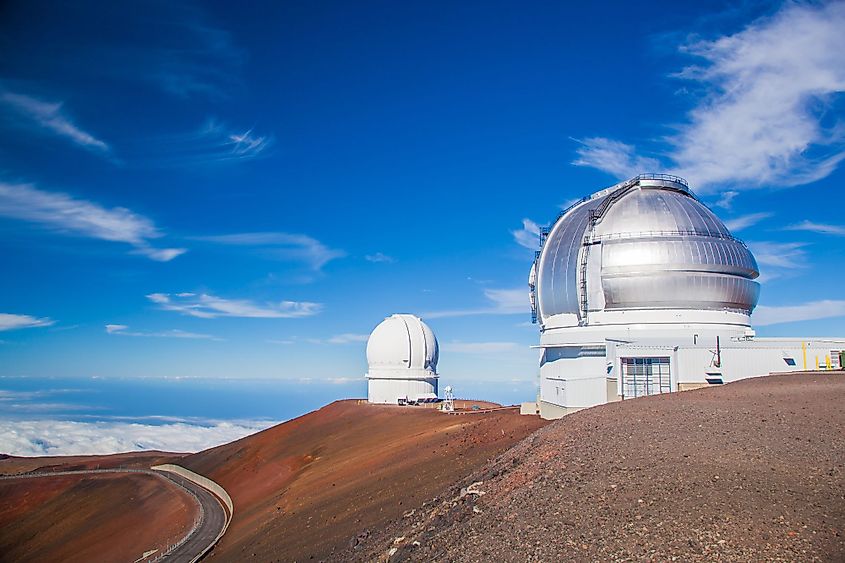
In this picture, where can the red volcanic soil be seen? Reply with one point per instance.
(750, 471)
(99, 517)
(11, 465)
(308, 487)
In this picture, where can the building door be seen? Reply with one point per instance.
(645, 376)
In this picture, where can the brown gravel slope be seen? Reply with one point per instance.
(102, 517)
(307, 487)
(752, 471)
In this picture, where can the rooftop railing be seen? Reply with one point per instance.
(592, 239)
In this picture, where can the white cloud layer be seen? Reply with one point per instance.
(759, 123)
(282, 246)
(56, 437)
(51, 117)
(207, 306)
(9, 321)
(65, 214)
(123, 330)
(770, 315)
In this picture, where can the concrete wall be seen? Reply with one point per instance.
(202, 481)
(529, 408)
(550, 411)
(613, 390)
(387, 391)
(574, 376)
(691, 386)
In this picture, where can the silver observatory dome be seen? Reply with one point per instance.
(644, 244)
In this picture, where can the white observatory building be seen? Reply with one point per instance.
(640, 289)
(402, 354)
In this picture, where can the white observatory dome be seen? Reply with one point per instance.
(402, 354)
(402, 342)
(640, 290)
(644, 245)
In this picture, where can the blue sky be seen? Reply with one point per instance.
(211, 190)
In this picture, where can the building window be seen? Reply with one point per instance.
(645, 376)
(789, 361)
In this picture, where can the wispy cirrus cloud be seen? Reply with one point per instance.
(9, 321)
(767, 89)
(123, 330)
(379, 257)
(345, 338)
(207, 306)
(173, 47)
(813, 227)
(779, 254)
(50, 117)
(778, 259)
(765, 315)
(66, 214)
(528, 236)
(745, 221)
(500, 302)
(212, 143)
(615, 157)
(191, 56)
(726, 199)
(281, 246)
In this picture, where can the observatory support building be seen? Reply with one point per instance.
(402, 354)
(640, 289)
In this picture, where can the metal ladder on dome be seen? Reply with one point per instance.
(595, 215)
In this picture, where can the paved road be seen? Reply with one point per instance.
(213, 522)
(212, 513)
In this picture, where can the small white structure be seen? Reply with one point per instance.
(402, 353)
(449, 401)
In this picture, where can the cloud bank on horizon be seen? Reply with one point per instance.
(62, 437)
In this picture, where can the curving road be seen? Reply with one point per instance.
(198, 541)
(212, 523)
